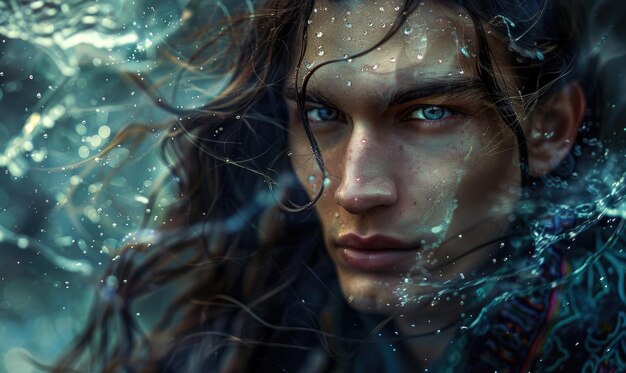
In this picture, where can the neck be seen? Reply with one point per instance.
(429, 329)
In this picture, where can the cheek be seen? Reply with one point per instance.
(490, 188)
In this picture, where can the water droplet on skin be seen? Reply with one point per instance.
(464, 51)
(348, 25)
(420, 56)
(370, 24)
(311, 178)
(440, 60)
(320, 53)
(336, 215)
(309, 21)
(392, 59)
(461, 72)
(238, 116)
(349, 83)
(326, 182)
(38, 95)
(319, 34)
(374, 67)
(407, 30)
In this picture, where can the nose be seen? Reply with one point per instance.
(367, 176)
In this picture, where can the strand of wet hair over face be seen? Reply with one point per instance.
(408, 8)
(504, 107)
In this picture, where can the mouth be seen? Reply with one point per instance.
(376, 253)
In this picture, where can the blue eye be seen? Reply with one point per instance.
(431, 112)
(322, 114)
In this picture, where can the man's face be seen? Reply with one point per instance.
(421, 168)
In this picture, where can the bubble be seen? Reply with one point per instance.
(95, 141)
(112, 282)
(22, 242)
(437, 229)
(142, 199)
(104, 131)
(81, 129)
(83, 151)
(15, 361)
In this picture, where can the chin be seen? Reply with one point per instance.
(372, 293)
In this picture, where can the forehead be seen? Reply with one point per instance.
(433, 29)
(437, 39)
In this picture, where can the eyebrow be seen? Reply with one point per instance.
(403, 94)
(439, 87)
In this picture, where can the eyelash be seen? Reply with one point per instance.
(336, 114)
(334, 111)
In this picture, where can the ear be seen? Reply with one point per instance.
(552, 128)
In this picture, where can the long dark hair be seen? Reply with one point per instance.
(242, 277)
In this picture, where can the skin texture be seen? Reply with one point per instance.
(437, 187)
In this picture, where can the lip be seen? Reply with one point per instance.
(376, 253)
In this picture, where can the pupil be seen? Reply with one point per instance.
(433, 113)
(325, 114)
